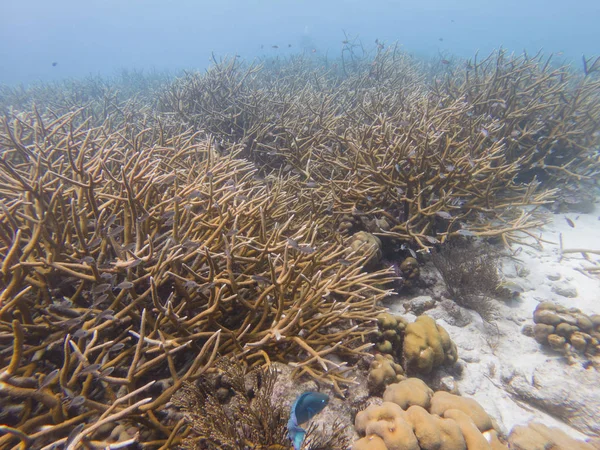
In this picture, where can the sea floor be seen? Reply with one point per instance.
(513, 377)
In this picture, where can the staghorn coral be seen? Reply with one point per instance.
(427, 345)
(383, 141)
(136, 254)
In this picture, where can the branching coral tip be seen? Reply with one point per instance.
(305, 407)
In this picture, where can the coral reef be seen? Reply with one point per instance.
(141, 236)
(566, 330)
(427, 345)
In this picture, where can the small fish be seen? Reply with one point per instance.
(260, 279)
(129, 247)
(190, 284)
(570, 222)
(314, 50)
(444, 215)
(54, 64)
(431, 240)
(95, 242)
(117, 347)
(50, 378)
(88, 260)
(307, 249)
(106, 315)
(289, 45)
(110, 221)
(125, 285)
(74, 432)
(304, 408)
(274, 46)
(445, 62)
(106, 372)
(466, 233)
(116, 230)
(80, 334)
(441, 39)
(100, 288)
(100, 300)
(78, 401)
(90, 369)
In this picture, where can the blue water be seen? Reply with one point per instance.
(103, 37)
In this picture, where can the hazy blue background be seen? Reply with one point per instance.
(101, 37)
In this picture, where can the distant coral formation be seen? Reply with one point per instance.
(566, 329)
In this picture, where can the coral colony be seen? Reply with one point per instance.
(162, 253)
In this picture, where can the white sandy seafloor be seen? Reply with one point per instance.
(494, 358)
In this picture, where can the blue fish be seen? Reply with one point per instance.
(305, 407)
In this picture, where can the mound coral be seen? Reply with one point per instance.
(409, 392)
(427, 345)
(390, 334)
(414, 426)
(566, 329)
(382, 372)
(536, 435)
